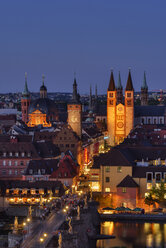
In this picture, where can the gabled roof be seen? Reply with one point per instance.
(36, 166)
(151, 110)
(111, 86)
(129, 85)
(114, 157)
(128, 182)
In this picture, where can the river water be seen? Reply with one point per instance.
(133, 235)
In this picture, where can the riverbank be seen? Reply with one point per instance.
(157, 218)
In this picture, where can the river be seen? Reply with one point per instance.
(133, 235)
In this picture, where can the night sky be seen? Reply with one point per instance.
(59, 37)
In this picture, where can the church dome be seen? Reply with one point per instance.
(45, 105)
(43, 87)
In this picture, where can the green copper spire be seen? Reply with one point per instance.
(144, 85)
(26, 92)
(119, 85)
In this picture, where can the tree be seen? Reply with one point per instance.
(157, 195)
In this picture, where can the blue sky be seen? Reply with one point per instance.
(89, 37)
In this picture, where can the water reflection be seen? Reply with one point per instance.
(133, 235)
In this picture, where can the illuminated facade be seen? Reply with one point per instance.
(120, 117)
(41, 111)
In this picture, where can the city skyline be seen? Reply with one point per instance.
(89, 38)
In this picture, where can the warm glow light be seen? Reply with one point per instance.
(28, 220)
(67, 207)
(64, 210)
(45, 234)
(24, 223)
(41, 239)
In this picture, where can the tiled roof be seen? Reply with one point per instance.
(128, 182)
(151, 110)
(49, 165)
(113, 158)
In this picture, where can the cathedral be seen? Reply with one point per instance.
(120, 112)
(41, 111)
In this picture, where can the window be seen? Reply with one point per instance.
(43, 171)
(123, 190)
(67, 145)
(29, 154)
(15, 163)
(128, 94)
(4, 154)
(24, 191)
(107, 190)
(61, 145)
(149, 185)
(107, 179)
(119, 169)
(41, 191)
(149, 122)
(16, 154)
(30, 172)
(3, 172)
(10, 154)
(65, 174)
(33, 191)
(111, 95)
(21, 163)
(111, 102)
(129, 102)
(10, 163)
(158, 177)
(22, 154)
(72, 145)
(4, 162)
(10, 172)
(107, 169)
(161, 121)
(155, 121)
(149, 177)
(142, 120)
(16, 172)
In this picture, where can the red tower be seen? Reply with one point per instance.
(25, 101)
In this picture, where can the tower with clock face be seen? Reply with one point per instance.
(74, 109)
(120, 116)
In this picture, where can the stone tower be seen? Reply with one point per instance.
(43, 89)
(120, 116)
(119, 91)
(144, 92)
(111, 110)
(129, 105)
(25, 101)
(74, 109)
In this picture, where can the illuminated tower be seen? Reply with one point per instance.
(129, 105)
(144, 92)
(25, 101)
(111, 110)
(43, 89)
(75, 112)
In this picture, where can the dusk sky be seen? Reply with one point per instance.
(89, 37)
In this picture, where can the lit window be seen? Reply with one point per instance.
(158, 185)
(123, 190)
(4, 154)
(95, 186)
(41, 191)
(149, 185)
(10, 172)
(30, 172)
(107, 169)
(16, 191)
(10, 154)
(15, 163)
(111, 95)
(119, 169)
(29, 154)
(16, 154)
(10, 163)
(22, 154)
(107, 190)
(128, 94)
(16, 172)
(24, 191)
(33, 191)
(4, 162)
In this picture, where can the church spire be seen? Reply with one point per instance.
(129, 85)
(90, 98)
(111, 86)
(96, 92)
(144, 85)
(43, 89)
(75, 96)
(26, 91)
(119, 91)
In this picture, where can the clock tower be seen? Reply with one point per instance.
(74, 109)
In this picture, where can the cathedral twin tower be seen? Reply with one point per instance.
(120, 113)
